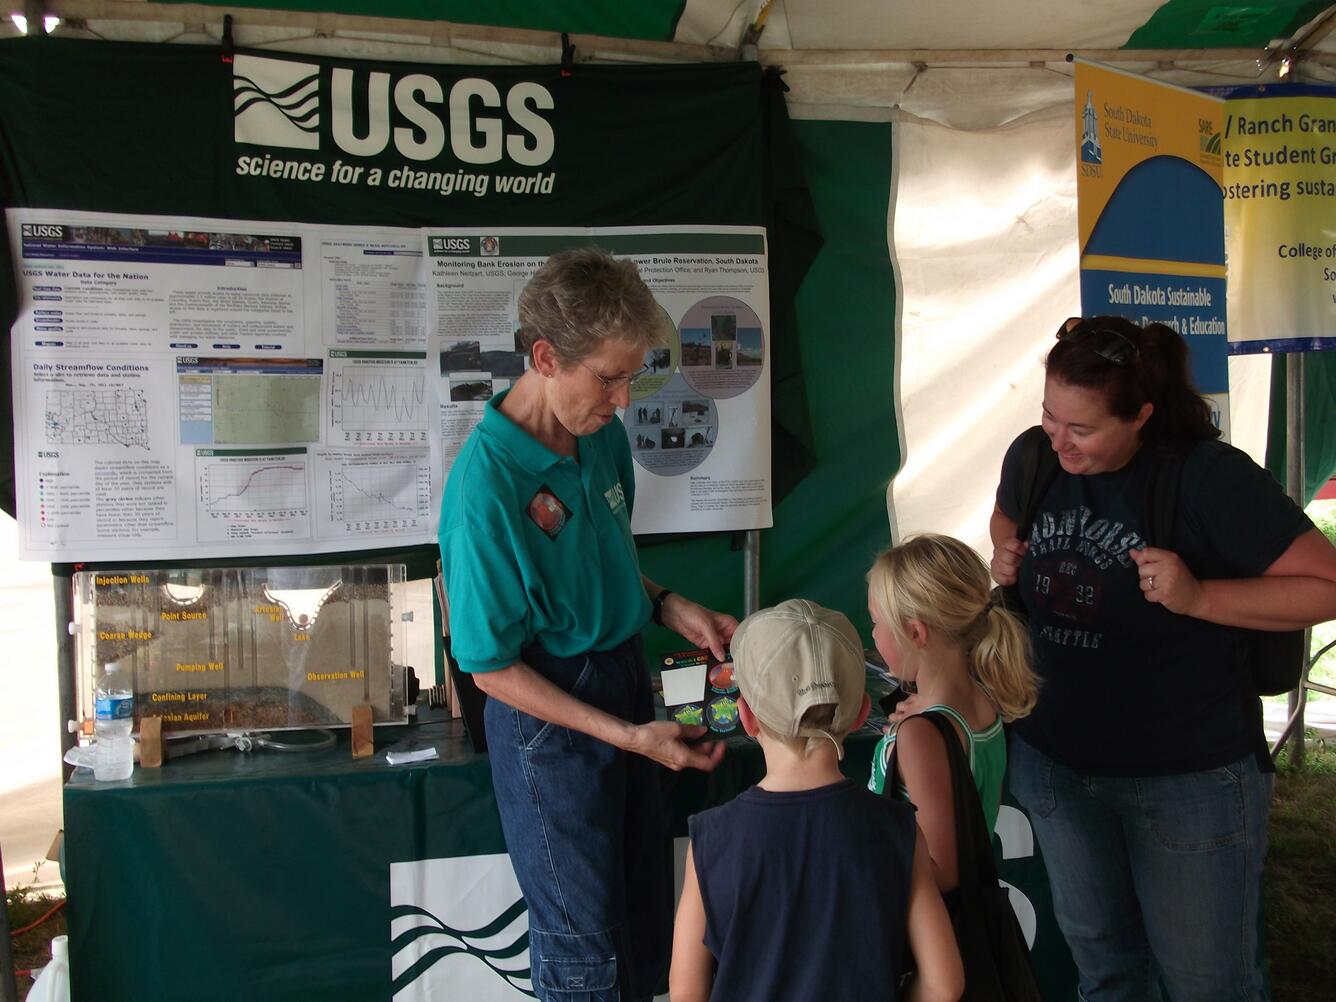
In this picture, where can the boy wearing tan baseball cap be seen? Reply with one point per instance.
(806, 885)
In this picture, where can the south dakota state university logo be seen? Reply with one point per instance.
(1091, 151)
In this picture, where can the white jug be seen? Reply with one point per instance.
(53, 983)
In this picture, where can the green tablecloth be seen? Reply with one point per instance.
(272, 876)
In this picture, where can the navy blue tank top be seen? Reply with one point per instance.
(806, 894)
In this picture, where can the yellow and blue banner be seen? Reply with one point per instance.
(1280, 217)
(1149, 211)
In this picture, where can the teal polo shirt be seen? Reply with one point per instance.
(538, 547)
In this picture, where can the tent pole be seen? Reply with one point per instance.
(1295, 477)
(9, 990)
(751, 571)
(35, 12)
(66, 669)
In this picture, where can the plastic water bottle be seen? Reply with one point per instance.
(53, 983)
(113, 718)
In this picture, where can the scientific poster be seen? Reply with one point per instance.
(189, 387)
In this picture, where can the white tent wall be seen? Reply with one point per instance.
(921, 24)
(983, 233)
(984, 237)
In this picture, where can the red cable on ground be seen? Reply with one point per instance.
(33, 925)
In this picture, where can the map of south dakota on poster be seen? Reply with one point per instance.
(97, 417)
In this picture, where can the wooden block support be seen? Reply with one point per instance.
(150, 742)
(363, 737)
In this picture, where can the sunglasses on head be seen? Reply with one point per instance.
(1105, 342)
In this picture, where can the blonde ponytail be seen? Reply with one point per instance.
(941, 582)
(1000, 662)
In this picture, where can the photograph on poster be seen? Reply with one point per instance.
(696, 347)
(751, 350)
(462, 356)
(470, 389)
(508, 364)
(695, 411)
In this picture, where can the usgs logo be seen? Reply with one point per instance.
(451, 245)
(459, 930)
(277, 102)
(40, 230)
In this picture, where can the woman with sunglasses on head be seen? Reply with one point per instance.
(546, 607)
(1143, 767)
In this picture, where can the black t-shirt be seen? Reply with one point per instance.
(1130, 688)
(806, 894)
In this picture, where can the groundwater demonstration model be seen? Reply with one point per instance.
(251, 649)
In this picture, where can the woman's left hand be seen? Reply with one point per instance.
(1166, 579)
(907, 707)
(700, 626)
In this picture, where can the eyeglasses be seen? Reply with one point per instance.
(1105, 342)
(612, 383)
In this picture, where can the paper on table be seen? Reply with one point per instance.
(418, 755)
(683, 685)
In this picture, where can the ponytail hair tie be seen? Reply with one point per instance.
(979, 627)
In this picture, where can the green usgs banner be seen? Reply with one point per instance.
(176, 130)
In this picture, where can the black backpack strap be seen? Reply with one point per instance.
(974, 847)
(1036, 473)
(1039, 468)
(1162, 504)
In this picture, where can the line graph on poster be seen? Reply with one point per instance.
(252, 484)
(378, 398)
(380, 494)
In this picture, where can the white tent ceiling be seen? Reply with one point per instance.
(960, 63)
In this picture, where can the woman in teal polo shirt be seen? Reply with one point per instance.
(546, 606)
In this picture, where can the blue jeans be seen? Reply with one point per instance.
(1154, 877)
(584, 829)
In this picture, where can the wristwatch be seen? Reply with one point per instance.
(657, 613)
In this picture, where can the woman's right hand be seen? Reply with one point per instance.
(665, 742)
(1006, 563)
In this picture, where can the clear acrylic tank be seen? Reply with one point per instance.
(249, 649)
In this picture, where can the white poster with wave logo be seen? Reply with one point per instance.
(460, 931)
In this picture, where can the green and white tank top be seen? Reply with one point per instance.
(988, 761)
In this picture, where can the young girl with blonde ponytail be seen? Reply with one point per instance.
(936, 626)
